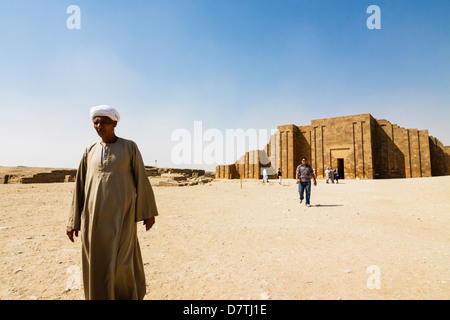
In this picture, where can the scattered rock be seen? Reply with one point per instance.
(168, 184)
(179, 180)
(175, 177)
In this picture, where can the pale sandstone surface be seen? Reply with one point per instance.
(218, 241)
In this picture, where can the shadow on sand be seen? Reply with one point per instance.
(327, 205)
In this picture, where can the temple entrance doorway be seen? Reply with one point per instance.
(340, 167)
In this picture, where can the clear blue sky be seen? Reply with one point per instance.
(228, 63)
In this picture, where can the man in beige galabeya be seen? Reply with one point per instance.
(112, 193)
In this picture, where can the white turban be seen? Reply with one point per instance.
(105, 111)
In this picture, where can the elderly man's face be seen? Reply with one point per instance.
(104, 126)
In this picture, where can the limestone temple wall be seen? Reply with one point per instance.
(359, 146)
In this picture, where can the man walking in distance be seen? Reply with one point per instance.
(112, 193)
(279, 175)
(303, 176)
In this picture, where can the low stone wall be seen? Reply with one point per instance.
(17, 175)
(54, 176)
(51, 177)
(173, 177)
(165, 176)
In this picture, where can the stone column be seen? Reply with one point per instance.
(246, 168)
(425, 158)
(227, 172)
(358, 154)
(217, 172)
(413, 138)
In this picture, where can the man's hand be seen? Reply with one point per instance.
(149, 223)
(70, 232)
(298, 181)
(315, 182)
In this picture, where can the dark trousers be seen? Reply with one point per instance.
(304, 187)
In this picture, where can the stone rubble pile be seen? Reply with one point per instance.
(173, 177)
(158, 176)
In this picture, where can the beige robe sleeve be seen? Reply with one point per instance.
(78, 195)
(145, 198)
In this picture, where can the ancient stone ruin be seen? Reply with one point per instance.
(174, 177)
(165, 177)
(29, 175)
(358, 146)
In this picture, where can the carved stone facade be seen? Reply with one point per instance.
(359, 146)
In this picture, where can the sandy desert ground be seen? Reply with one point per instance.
(362, 239)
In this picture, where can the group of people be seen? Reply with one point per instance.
(266, 176)
(332, 175)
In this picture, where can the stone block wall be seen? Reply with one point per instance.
(447, 159)
(359, 146)
(440, 157)
(342, 143)
(400, 152)
(52, 176)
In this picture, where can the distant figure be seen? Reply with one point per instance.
(327, 174)
(265, 176)
(112, 193)
(336, 175)
(303, 176)
(279, 175)
(331, 173)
